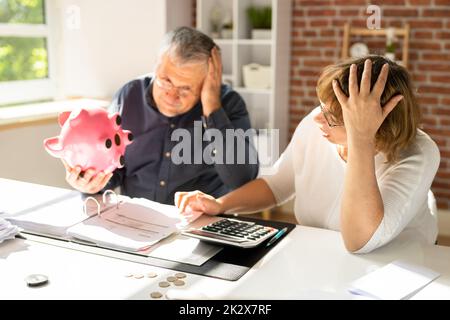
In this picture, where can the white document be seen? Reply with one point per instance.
(169, 210)
(130, 227)
(395, 281)
(7, 230)
(185, 250)
(50, 215)
(136, 225)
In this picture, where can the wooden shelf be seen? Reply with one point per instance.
(364, 32)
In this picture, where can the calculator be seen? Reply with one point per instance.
(233, 232)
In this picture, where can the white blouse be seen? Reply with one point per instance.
(311, 170)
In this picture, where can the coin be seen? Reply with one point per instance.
(35, 280)
(152, 274)
(156, 295)
(171, 279)
(180, 275)
(139, 276)
(164, 284)
(179, 283)
(129, 275)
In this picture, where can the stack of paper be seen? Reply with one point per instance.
(131, 227)
(51, 215)
(395, 281)
(7, 230)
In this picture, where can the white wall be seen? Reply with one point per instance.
(178, 13)
(24, 158)
(115, 41)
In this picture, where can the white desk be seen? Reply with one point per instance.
(309, 263)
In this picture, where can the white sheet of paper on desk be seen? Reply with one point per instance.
(185, 250)
(7, 230)
(47, 214)
(130, 227)
(395, 281)
(168, 210)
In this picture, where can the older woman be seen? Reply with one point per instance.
(357, 164)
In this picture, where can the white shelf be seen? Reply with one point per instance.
(268, 108)
(223, 42)
(255, 42)
(253, 90)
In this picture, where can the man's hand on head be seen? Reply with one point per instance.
(210, 95)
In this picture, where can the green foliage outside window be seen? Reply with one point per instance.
(22, 11)
(22, 58)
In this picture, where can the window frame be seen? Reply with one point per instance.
(12, 92)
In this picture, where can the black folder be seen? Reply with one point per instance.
(231, 263)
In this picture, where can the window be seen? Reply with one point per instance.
(25, 69)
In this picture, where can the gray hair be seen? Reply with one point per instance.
(186, 44)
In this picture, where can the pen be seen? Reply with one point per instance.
(277, 236)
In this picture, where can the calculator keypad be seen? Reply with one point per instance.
(237, 232)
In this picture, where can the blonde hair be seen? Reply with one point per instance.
(399, 128)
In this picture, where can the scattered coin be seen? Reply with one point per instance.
(152, 274)
(138, 276)
(171, 279)
(179, 282)
(156, 295)
(180, 275)
(35, 280)
(129, 275)
(164, 284)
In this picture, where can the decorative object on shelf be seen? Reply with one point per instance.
(260, 19)
(227, 30)
(256, 76)
(91, 139)
(390, 44)
(215, 18)
(390, 33)
(227, 27)
(359, 50)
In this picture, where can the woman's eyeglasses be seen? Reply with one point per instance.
(327, 118)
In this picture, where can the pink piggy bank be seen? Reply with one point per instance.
(91, 139)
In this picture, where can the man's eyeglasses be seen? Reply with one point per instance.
(327, 117)
(166, 85)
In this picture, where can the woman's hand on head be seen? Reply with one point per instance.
(197, 201)
(362, 110)
(88, 181)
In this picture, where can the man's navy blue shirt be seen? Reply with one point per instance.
(149, 171)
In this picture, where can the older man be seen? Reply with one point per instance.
(185, 93)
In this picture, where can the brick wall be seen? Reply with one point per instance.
(317, 30)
